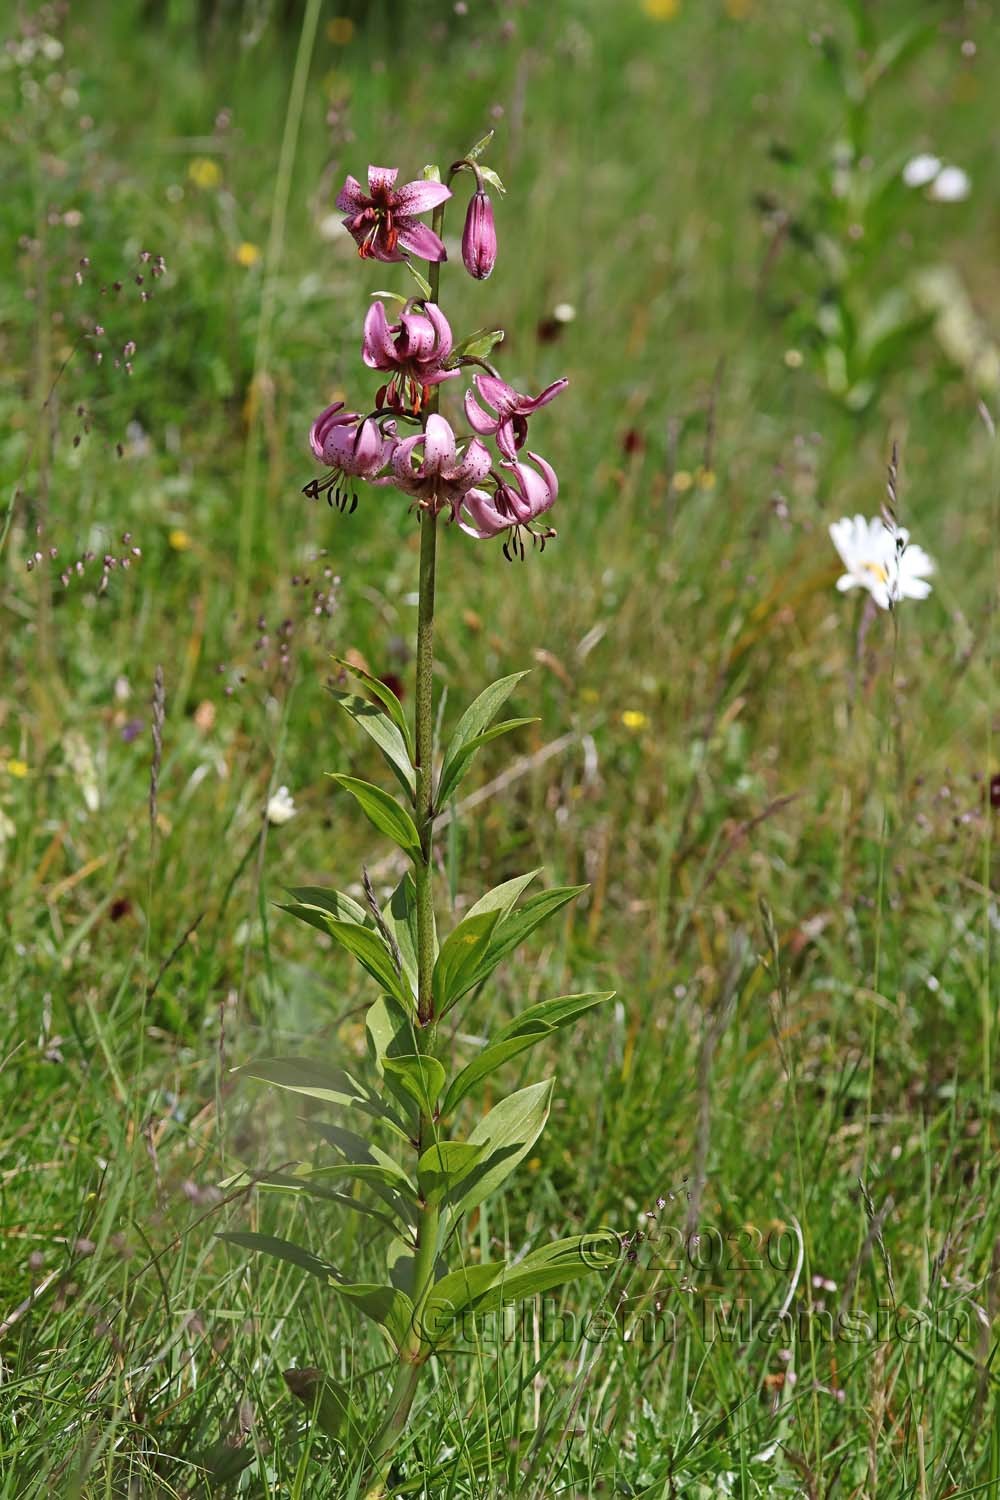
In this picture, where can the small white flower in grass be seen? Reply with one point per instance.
(920, 170)
(879, 558)
(280, 807)
(944, 184)
(951, 185)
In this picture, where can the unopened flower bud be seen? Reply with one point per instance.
(479, 237)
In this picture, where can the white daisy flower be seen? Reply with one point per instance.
(280, 807)
(880, 559)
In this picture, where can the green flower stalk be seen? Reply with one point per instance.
(420, 1175)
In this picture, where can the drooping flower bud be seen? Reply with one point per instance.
(479, 237)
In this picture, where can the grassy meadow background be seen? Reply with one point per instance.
(785, 825)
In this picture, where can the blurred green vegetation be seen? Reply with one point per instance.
(677, 191)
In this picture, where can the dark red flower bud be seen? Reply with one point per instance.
(479, 238)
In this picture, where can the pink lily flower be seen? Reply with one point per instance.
(354, 448)
(514, 506)
(415, 349)
(383, 220)
(512, 410)
(439, 476)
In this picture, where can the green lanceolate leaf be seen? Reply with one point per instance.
(451, 1295)
(509, 1131)
(355, 1148)
(380, 690)
(327, 1402)
(541, 1271)
(521, 922)
(422, 282)
(277, 1249)
(423, 1078)
(317, 1081)
(478, 345)
(314, 1080)
(371, 1173)
(461, 956)
(387, 735)
(372, 952)
(502, 897)
(493, 180)
(531, 1026)
(365, 944)
(476, 151)
(444, 1165)
(385, 1305)
(477, 717)
(550, 1014)
(391, 1030)
(491, 1058)
(452, 774)
(304, 1186)
(384, 811)
(316, 906)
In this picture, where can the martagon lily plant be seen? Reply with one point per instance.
(414, 1159)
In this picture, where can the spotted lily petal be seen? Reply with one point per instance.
(416, 239)
(439, 447)
(381, 179)
(421, 197)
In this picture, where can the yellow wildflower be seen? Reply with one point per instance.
(682, 481)
(705, 479)
(634, 719)
(661, 10)
(204, 172)
(248, 254)
(179, 540)
(18, 768)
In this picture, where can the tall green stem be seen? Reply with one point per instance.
(425, 750)
(413, 1353)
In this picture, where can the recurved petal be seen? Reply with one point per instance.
(416, 239)
(435, 377)
(322, 426)
(476, 417)
(527, 404)
(421, 197)
(475, 465)
(402, 460)
(442, 329)
(497, 393)
(351, 199)
(507, 437)
(439, 446)
(418, 336)
(542, 488)
(381, 177)
(486, 520)
(377, 349)
(369, 448)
